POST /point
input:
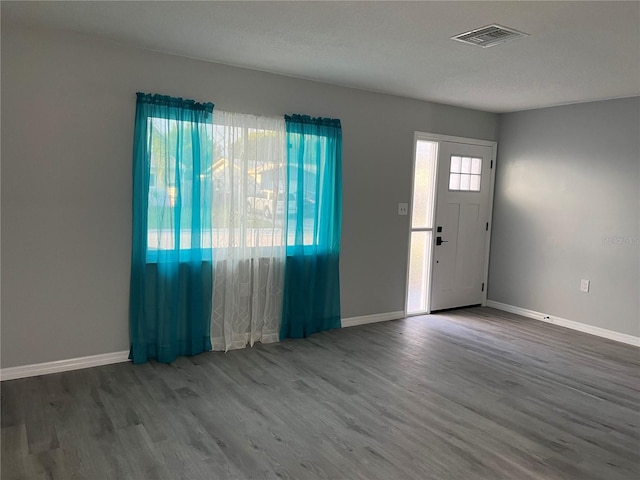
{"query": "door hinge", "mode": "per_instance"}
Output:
(482, 287)
(491, 164)
(487, 227)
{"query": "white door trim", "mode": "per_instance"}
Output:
(494, 166)
(435, 137)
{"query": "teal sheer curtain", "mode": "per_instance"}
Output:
(171, 270)
(312, 280)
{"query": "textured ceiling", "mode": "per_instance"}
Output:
(576, 51)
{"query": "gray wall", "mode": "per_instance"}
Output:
(566, 207)
(68, 106)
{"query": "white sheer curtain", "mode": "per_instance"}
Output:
(249, 207)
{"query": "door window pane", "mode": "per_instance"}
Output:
(476, 166)
(465, 174)
(466, 165)
(475, 183)
(455, 164)
(454, 181)
(465, 182)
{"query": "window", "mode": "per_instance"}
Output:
(174, 179)
(249, 180)
(248, 196)
(306, 179)
(422, 213)
(244, 186)
(465, 174)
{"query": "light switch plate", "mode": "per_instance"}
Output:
(403, 209)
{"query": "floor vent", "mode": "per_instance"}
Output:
(489, 36)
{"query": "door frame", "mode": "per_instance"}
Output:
(438, 138)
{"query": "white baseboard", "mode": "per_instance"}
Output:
(58, 366)
(24, 371)
(563, 322)
(377, 317)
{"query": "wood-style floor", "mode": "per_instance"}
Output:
(470, 394)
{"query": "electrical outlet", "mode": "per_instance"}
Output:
(403, 209)
(584, 285)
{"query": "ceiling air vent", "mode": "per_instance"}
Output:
(489, 36)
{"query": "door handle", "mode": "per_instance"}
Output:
(440, 241)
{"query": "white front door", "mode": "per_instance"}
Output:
(461, 227)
